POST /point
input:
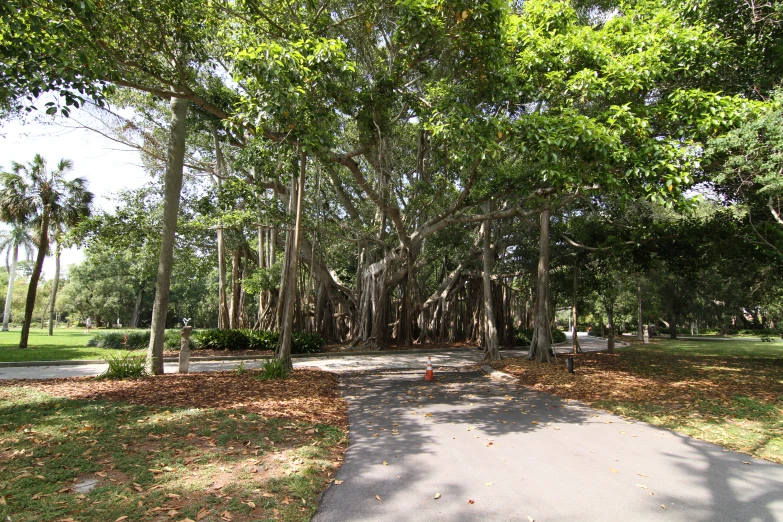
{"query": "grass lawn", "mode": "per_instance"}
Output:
(65, 344)
(204, 447)
(726, 392)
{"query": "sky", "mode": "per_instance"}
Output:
(107, 165)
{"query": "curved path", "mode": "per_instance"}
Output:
(494, 452)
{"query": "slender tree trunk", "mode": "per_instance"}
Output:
(10, 294)
(491, 348)
(639, 325)
(137, 309)
(32, 289)
(673, 326)
(610, 318)
(543, 336)
(575, 337)
(55, 285)
(284, 348)
(236, 260)
(172, 188)
(223, 321)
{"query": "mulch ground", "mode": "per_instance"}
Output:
(308, 395)
(657, 378)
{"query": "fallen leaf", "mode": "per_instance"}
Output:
(202, 513)
(250, 504)
(374, 434)
(663, 506)
(226, 516)
(377, 497)
(745, 462)
(488, 483)
(437, 496)
(471, 502)
(338, 482)
(642, 475)
(123, 517)
(385, 463)
(642, 486)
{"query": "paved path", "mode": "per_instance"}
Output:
(342, 363)
(521, 456)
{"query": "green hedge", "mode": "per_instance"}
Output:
(524, 336)
(133, 340)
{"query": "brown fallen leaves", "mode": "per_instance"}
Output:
(308, 395)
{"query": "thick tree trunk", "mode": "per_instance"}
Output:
(55, 285)
(32, 289)
(673, 326)
(284, 347)
(10, 293)
(542, 344)
(171, 192)
(639, 325)
(137, 309)
(491, 348)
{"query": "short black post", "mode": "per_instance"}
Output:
(570, 364)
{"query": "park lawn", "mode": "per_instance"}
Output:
(726, 392)
(65, 344)
(221, 446)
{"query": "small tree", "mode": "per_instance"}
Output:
(33, 193)
(10, 243)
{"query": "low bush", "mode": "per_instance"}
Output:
(135, 340)
(524, 336)
(125, 366)
(222, 340)
(273, 369)
(262, 339)
(558, 336)
(306, 342)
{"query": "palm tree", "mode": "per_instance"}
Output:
(31, 192)
(10, 243)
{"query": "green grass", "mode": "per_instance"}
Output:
(65, 344)
(155, 463)
(717, 348)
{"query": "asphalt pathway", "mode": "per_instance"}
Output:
(496, 452)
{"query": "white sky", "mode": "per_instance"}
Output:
(106, 165)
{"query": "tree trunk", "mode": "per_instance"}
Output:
(639, 326)
(574, 312)
(137, 309)
(32, 289)
(284, 347)
(172, 188)
(673, 326)
(55, 285)
(491, 348)
(223, 321)
(10, 294)
(610, 318)
(233, 317)
(543, 337)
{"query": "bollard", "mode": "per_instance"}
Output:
(184, 349)
(646, 334)
(570, 364)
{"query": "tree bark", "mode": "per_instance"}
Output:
(10, 294)
(491, 348)
(223, 321)
(233, 317)
(55, 285)
(137, 309)
(610, 319)
(284, 347)
(32, 289)
(171, 193)
(542, 343)
(575, 338)
(639, 326)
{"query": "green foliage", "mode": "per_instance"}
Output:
(306, 342)
(273, 369)
(558, 336)
(120, 340)
(262, 339)
(524, 336)
(125, 366)
(223, 340)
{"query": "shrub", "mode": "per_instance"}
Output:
(524, 336)
(262, 339)
(558, 336)
(306, 342)
(273, 369)
(125, 366)
(222, 340)
(120, 340)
